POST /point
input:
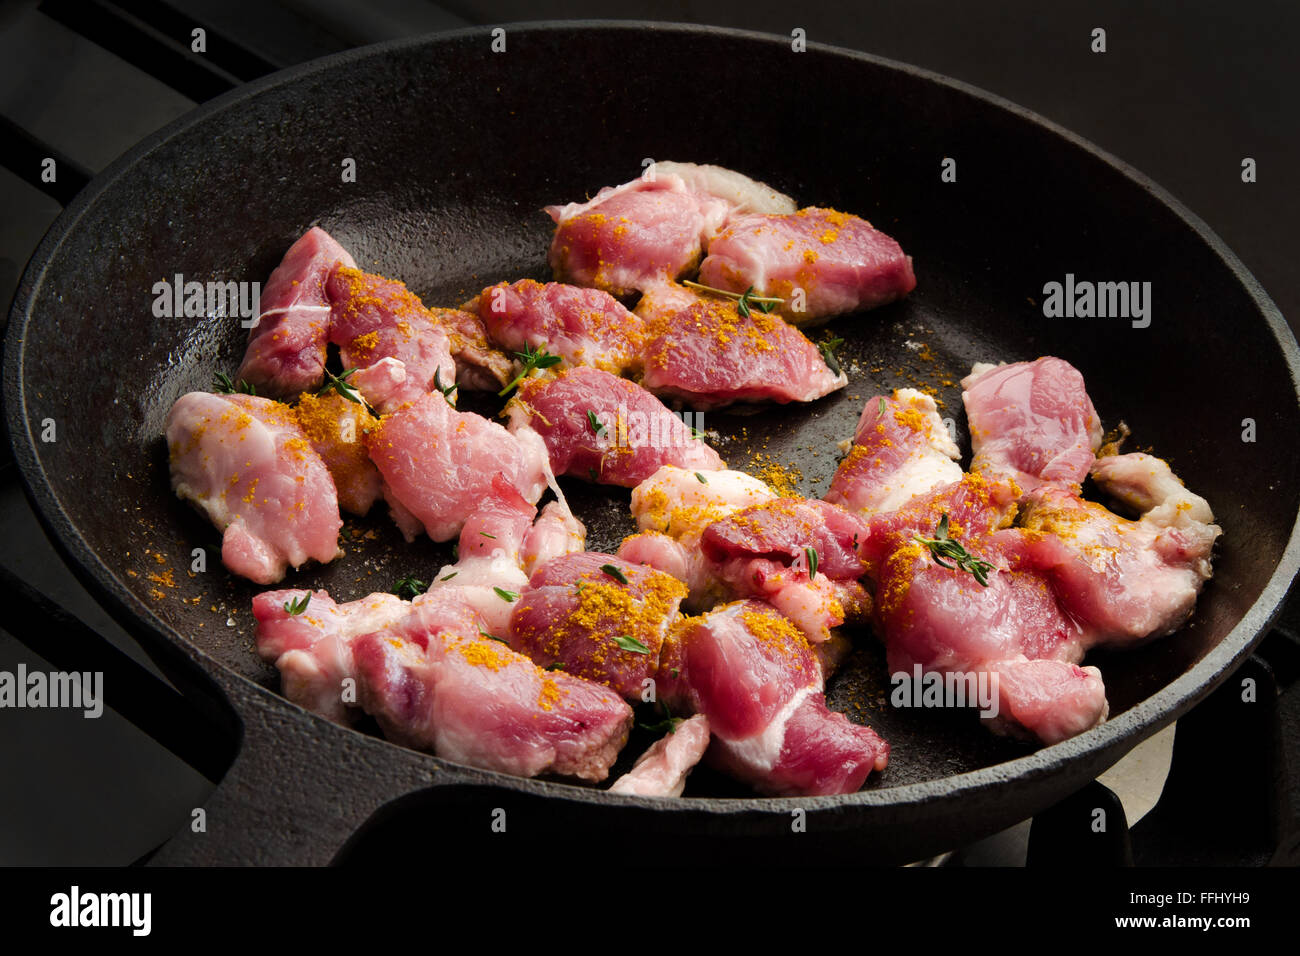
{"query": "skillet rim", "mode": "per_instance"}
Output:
(1113, 737)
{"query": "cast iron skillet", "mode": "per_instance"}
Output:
(457, 148)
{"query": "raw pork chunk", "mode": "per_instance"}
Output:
(245, 462)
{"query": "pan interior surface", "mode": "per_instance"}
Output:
(457, 149)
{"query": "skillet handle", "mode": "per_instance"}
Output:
(298, 789)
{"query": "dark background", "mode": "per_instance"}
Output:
(1184, 92)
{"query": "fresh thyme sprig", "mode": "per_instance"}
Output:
(614, 572)
(629, 643)
(445, 389)
(222, 383)
(744, 300)
(532, 360)
(943, 547)
(827, 349)
(409, 587)
(295, 607)
(339, 383)
(811, 555)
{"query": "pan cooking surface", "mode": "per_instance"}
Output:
(457, 151)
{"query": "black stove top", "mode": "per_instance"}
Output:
(1184, 94)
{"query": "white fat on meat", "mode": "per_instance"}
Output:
(662, 770)
(743, 194)
(900, 449)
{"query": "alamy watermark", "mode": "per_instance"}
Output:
(177, 298)
(950, 689)
(637, 429)
(1083, 299)
(84, 691)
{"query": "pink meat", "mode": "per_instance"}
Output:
(633, 236)
(943, 620)
(439, 464)
(1031, 421)
(1124, 580)
(487, 575)
(633, 435)
(764, 551)
(755, 677)
(900, 450)
(433, 682)
(555, 532)
(479, 366)
(313, 649)
(246, 463)
(662, 770)
(702, 351)
(374, 318)
(582, 326)
(1048, 700)
(286, 348)
(839, 261)
(606, 626)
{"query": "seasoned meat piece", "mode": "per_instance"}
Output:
(633, 236)
(900, 450)
(337, 429)
(702, 351)
(597, 616)
(375, 318)
(582, 326)
(433, 681)
(246, 464)
(606, 429)
(838, 262)
(1031, 421)
(286, 348)
(1014, 627)
(754, 676)
(1126, 581)
(768, 551)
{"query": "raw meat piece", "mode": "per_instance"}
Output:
(662, 770)
(313, 649)
(943, 620)
(487, 575)
(764, 550)
(700, 350)
(901, 449)
(597, 616)
(337, 429)
(1031, 421)
(582, 326)
(632, 437)
(439, 464)
(433, 682)
(286, 347)
(632, 236)
(1126, 581)
(753, 674)
(839, 261)
(673, 507)
(555, 532)
(479, 366)
(246, 463)
(374, 318)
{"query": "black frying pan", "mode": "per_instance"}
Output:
(457, 148)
